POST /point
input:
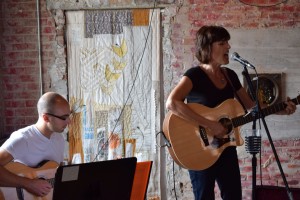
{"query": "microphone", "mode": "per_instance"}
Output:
(236, 57)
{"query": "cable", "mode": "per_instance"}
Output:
(174, 180)
(167, 142)
(143, 139)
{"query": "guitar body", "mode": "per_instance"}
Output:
(197, 151)
(46, 171)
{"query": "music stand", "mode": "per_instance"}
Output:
(141, 180)
(104, 180)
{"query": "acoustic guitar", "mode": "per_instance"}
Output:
(46, 171)
(194, 147)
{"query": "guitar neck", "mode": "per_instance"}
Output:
(244, 119)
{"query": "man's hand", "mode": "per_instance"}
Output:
(38, 187)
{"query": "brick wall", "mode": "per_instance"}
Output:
(20, 65)
(268, 172)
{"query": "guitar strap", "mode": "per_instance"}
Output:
(20, 193)
(224, 71)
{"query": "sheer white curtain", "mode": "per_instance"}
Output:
(113, 82)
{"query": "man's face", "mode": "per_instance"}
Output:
(59, 118)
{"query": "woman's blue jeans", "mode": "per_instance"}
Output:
(225, 172)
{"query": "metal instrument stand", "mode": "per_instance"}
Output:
(254, 143)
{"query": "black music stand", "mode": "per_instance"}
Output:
(104, 180)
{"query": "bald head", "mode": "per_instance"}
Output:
(49, 101)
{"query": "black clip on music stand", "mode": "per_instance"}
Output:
(253, 142)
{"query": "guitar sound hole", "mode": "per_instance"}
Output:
(227, 124)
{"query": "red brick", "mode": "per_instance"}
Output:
(31, 54)
(288, 8)
(13, 86)
(9, 129)
(30, 103)
(47, 30)
(32, 86)
(24, 46)
(15, 120)
(31, 120)
(8, 113)
(25, 111)
(14, 104)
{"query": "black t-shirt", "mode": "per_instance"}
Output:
(205, 92)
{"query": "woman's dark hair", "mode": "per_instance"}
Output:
(205, 37)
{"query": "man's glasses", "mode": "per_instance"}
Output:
(64, 117)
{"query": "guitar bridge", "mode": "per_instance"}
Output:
(203, 135)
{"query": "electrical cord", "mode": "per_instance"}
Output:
(174, 185)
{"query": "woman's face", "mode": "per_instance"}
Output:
(220, 53)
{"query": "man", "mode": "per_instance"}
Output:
(39, 142)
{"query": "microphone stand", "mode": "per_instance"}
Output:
(254, 143)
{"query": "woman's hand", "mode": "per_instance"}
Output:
(290, 107)
(217, 129)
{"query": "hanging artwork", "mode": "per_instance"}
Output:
(113, 69)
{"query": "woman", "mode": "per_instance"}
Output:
(210, 84)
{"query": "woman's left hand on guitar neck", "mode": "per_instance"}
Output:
(290, 108)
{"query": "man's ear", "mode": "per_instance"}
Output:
(45, 117)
